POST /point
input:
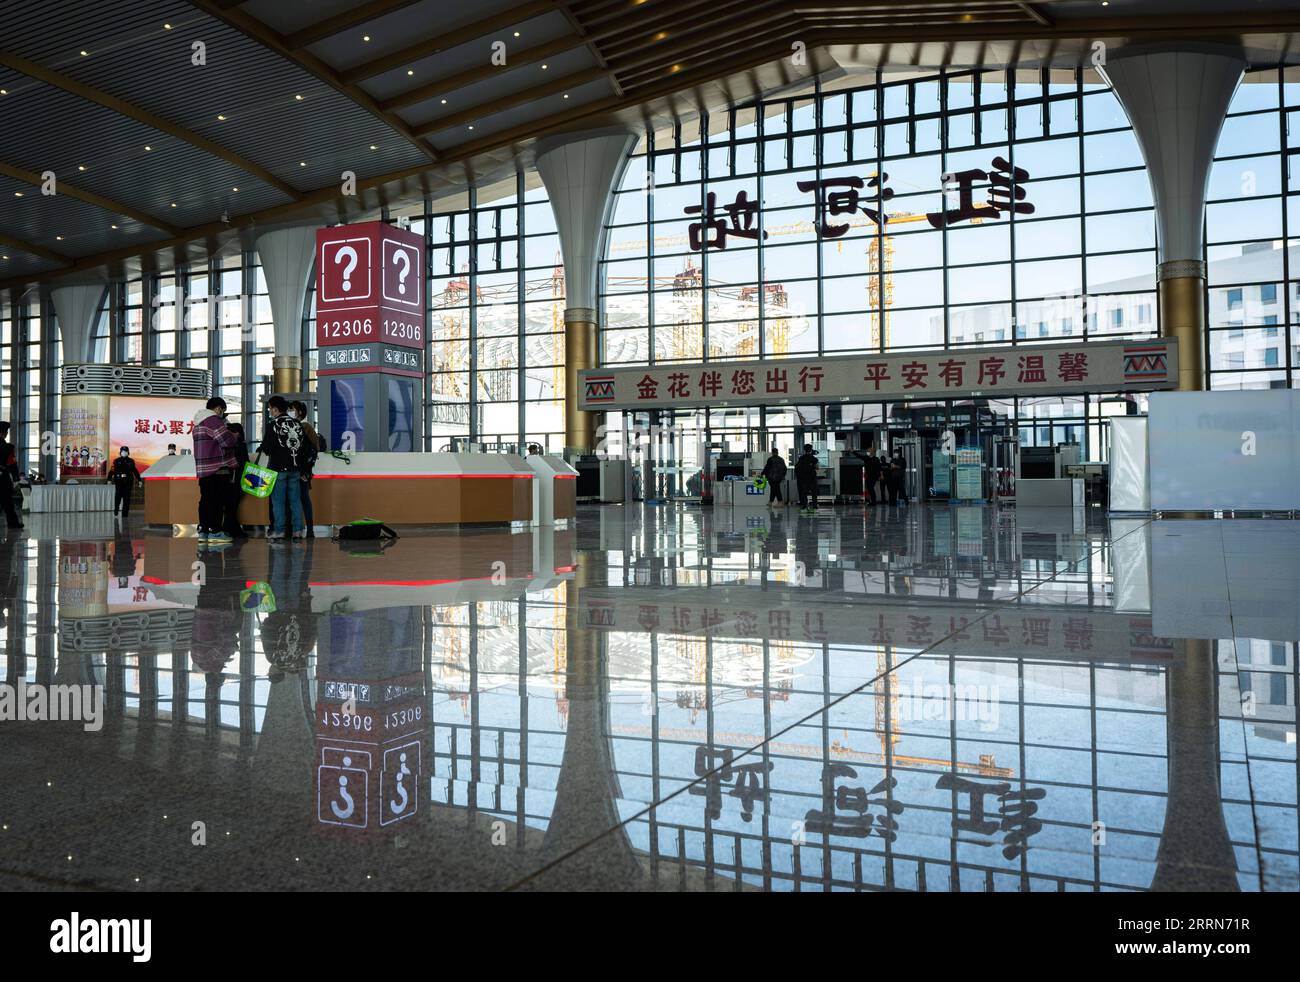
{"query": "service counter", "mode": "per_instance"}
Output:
(396, 488)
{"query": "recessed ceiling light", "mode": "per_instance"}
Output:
(677, 68)
(234, 189)
(18, 194)
(220, 116)
(365, 37)
(410, 71)
(302, 163)
(147, 147)
(566, 95)
(85, 54)
(58, 238)
(373, 147)
(544, 67)
(298, 97)
(112, 226)
(81, 167)
(516, 34)
(661, 35)
(471, 125)
(444, 102)
(173, 204)
(166, 27)
(4, 91)
(4, 257)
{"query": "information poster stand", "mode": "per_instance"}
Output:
(968, 464)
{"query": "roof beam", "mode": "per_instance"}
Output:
(124, 108)
(451, 83)
(31, 248)
(343, 21)
(683, 27)
(588, 41)
(1036, 12)
(441, 42)
(253, 28)
(486, 109)
(90, 198)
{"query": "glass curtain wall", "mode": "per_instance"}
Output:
(1080, 265)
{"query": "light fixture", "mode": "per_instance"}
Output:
(4, 91)
(365, 37)
(544, 67)
(58, 238)
(234, 189)
(298, 97)
(166, 27)
(410, 71)
(220, 116)
(661, 35)
(471, 125)
(516, 34)
(85, 54)
(373, 147)
(444, 102)
(677, 68)
(81, 167)
(147, 147)
(173, 204)
(302, 163)
(566, 95)
(112, 226)
(18, 194)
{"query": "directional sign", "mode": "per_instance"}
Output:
(369, 290)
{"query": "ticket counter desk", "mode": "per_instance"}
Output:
(396, 488)
(555, 492)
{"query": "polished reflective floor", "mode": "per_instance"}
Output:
(663, 698)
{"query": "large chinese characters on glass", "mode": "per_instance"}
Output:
(1020, 370)
(850, 195)
(370, 309)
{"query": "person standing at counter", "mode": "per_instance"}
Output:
(313, 448)
(231, 524)
(9, 477)
(124, 475)
(214, 463)
(805, 476)
(774, 472)
(284, 444)
(870, 474)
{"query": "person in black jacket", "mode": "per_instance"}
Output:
(9, 477)
(870, 473)
(898, 477)
(805, 476)
(124, 477)
(774, 472)
(285, 445)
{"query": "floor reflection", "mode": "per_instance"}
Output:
(663, 698)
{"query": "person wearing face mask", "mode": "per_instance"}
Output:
(124, 475)
(214, 463)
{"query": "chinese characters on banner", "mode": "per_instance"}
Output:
(1077, 366)
(834, 196)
